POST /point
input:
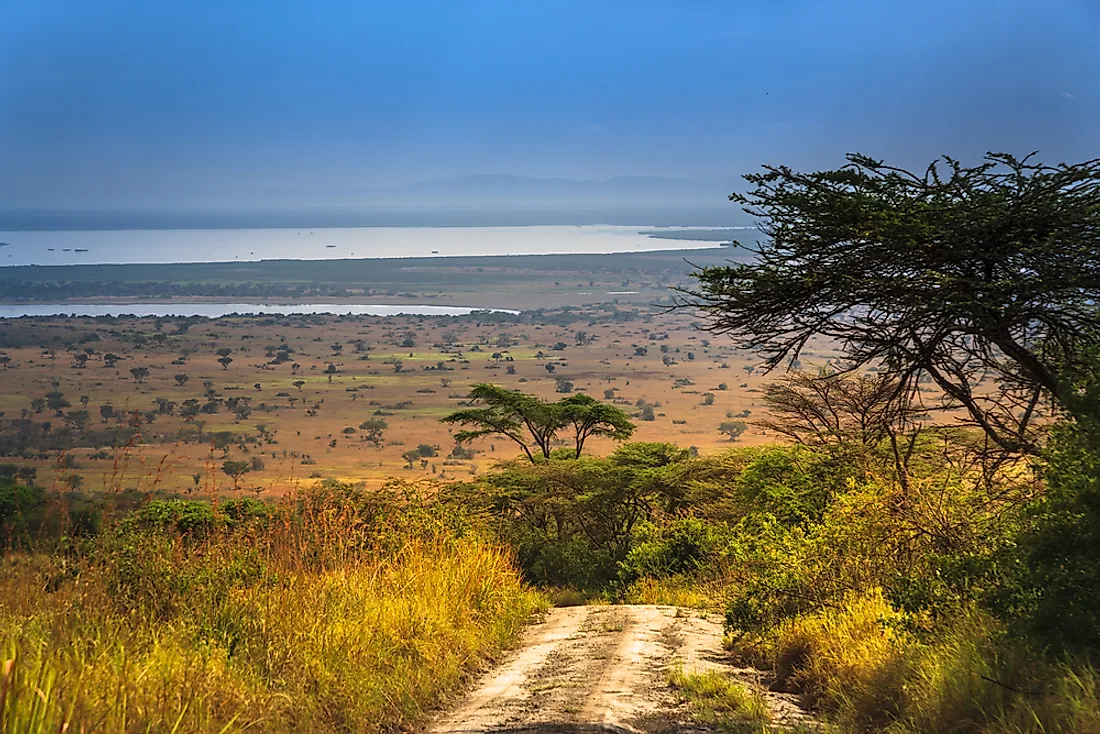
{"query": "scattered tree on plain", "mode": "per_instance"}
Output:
(733, 429)
(235, 469)
(533, 423)
(373, 429)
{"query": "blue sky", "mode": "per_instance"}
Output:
(146, 103)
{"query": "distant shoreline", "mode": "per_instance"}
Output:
(47, 248)
(218, 309)
(556, 260)
(520, 282)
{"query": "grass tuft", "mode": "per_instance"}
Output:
(674, 591)
(719, 700)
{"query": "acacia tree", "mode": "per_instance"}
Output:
(533, 424)
(843, 411)
(957, 274)
(831, 409)
(55, 401)
(528, 421)
(589, 417)
(235, 469)
(373, 429)
(733, 429)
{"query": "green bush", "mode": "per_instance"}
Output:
(240, 510)
(22, 512)
(85, 515)
(680, 547)
(792, 483)
(1053, 592)
(189, 517)
(563, 562)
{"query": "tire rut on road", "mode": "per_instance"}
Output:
(583, 670)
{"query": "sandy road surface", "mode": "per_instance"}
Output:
(584, 670)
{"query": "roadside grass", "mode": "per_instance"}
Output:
(717, 700)
(328, 614)
(849, 660)
(677, 592)
(854, 665)
(966, 683)
(568, 597)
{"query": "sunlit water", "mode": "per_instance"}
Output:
(221, 245)
(215, 310)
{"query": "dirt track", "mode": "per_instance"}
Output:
(593, 669)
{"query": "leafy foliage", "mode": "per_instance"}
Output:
(1054, 592)
(533, 424)
(957, 274)
(572, 521)
(22, 510)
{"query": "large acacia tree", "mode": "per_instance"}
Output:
(533, 423)
(983, 280)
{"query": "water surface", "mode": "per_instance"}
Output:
(224, 245)
(215, 310)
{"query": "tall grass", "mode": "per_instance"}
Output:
(855, 664)
(848, 660)
(968, 682)
(334, 612)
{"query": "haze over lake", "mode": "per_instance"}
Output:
(220, 245)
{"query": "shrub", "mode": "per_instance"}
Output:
(680, 547)
(179, 517)
(22, 512)
(1053, 594)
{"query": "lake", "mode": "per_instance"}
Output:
(223, 245)
(215, 310)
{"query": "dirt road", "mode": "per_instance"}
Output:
(584, 670)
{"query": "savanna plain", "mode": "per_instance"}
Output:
(284, 523)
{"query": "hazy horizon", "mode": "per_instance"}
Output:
(473, 200)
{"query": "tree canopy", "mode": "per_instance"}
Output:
(236, 469)
(589, 417)
(533, 423)
(955, 275)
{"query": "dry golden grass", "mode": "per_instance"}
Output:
(326, 618)
(852, 664)
(675, 591)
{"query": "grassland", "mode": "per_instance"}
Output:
(407, 371)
